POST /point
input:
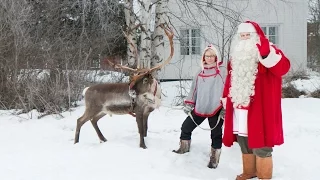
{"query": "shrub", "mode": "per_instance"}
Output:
(290, 91)
(315, 94)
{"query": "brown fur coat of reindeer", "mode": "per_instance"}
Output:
(117, 98)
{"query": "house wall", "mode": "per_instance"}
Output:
(290, 17)
(292, 20)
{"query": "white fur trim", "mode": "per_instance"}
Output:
(224, 102)
(240, 122)
(217, 54)
(246, 27)
(272, 59)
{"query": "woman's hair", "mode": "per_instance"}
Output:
(211, 50)
(213, 53)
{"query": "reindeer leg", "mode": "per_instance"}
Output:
(145, 124)
(83, 119)
(139, 119)
(94, 122)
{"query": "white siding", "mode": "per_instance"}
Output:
(292, 20)
(290, 17)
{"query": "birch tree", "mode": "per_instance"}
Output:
(146, 20)
(130, 32)
(161, 17)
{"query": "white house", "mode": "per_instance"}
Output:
(196, 25)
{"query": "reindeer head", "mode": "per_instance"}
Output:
(141, 84)
(141, 79)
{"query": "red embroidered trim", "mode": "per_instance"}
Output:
(188, 102)
(208, 115)
(210, 67)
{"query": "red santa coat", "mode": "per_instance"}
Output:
(264, 112)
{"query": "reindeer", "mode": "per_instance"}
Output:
(139, 98)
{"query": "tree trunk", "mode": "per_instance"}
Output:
(161, 17)
(145, 51)
(131, 35)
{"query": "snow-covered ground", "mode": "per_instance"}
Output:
(43, 149)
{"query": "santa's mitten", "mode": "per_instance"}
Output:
(264, 47)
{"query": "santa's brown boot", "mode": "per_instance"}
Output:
(214, 158)
(264, 167)
(249, 167)
(184, 147)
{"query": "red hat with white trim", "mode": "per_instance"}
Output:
(251, 27)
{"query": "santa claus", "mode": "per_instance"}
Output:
(252, 99)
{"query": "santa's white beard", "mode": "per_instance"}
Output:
(244, 69)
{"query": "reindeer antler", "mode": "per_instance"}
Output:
(142, 72)
(170, 34)
(118, 66)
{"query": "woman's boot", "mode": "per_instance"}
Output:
(214, 158)
(184, 147)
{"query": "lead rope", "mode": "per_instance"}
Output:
(206, 129)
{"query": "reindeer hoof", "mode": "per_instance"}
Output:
(143, 146)
(103, 140)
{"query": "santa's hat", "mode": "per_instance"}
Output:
(216, 51)
(252, 27)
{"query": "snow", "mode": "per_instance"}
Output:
(308, 85)
(43, 149)
(90, 75)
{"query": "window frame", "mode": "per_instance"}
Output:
(276, 33)
(190, 45)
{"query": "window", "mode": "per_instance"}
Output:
(272, 33)
(189, 41)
